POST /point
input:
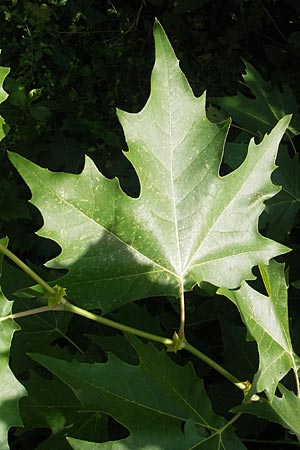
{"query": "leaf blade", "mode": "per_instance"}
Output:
(164, 396)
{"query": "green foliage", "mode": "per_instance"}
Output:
(88, 386)
(11, 389)
(3, 95)
(283, 409)
(259, 114)
(266, 319)
(282, 210)
(162, 411)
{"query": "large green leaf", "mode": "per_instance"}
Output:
(259, 114)
(11, 389)
(163, 405)
(188, 224)
(3, 95)
(266, 318)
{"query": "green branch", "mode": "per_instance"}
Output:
(118, 326)
(171, 344)
(243, 385)
(57, 302)
(27, 269)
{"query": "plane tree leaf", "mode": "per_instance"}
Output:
(167, 409)
(266, 318)
(11, 389)
(189, 224)
(259, 114)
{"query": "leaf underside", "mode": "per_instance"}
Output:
(188, 224)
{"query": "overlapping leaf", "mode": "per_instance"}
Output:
(188, 224)
(51, 404)
(259, 114)
(283, 208)
(284, 410)
(163, 405)
(266, 318)
(39, 332)
(11, 390)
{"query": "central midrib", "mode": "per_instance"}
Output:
(172, 185)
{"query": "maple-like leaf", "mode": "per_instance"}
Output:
(188, 225)
(259, 114)
(3, 96)
(11, 389)
(266, 318)
(163, 405)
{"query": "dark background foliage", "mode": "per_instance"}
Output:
(72, 63)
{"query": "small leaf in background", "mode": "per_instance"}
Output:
(259, 115)
(163, 405)
(188, 225)
(3, 96)
(40, 113)
(11, 389)
(266, 319)
(282, 209)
